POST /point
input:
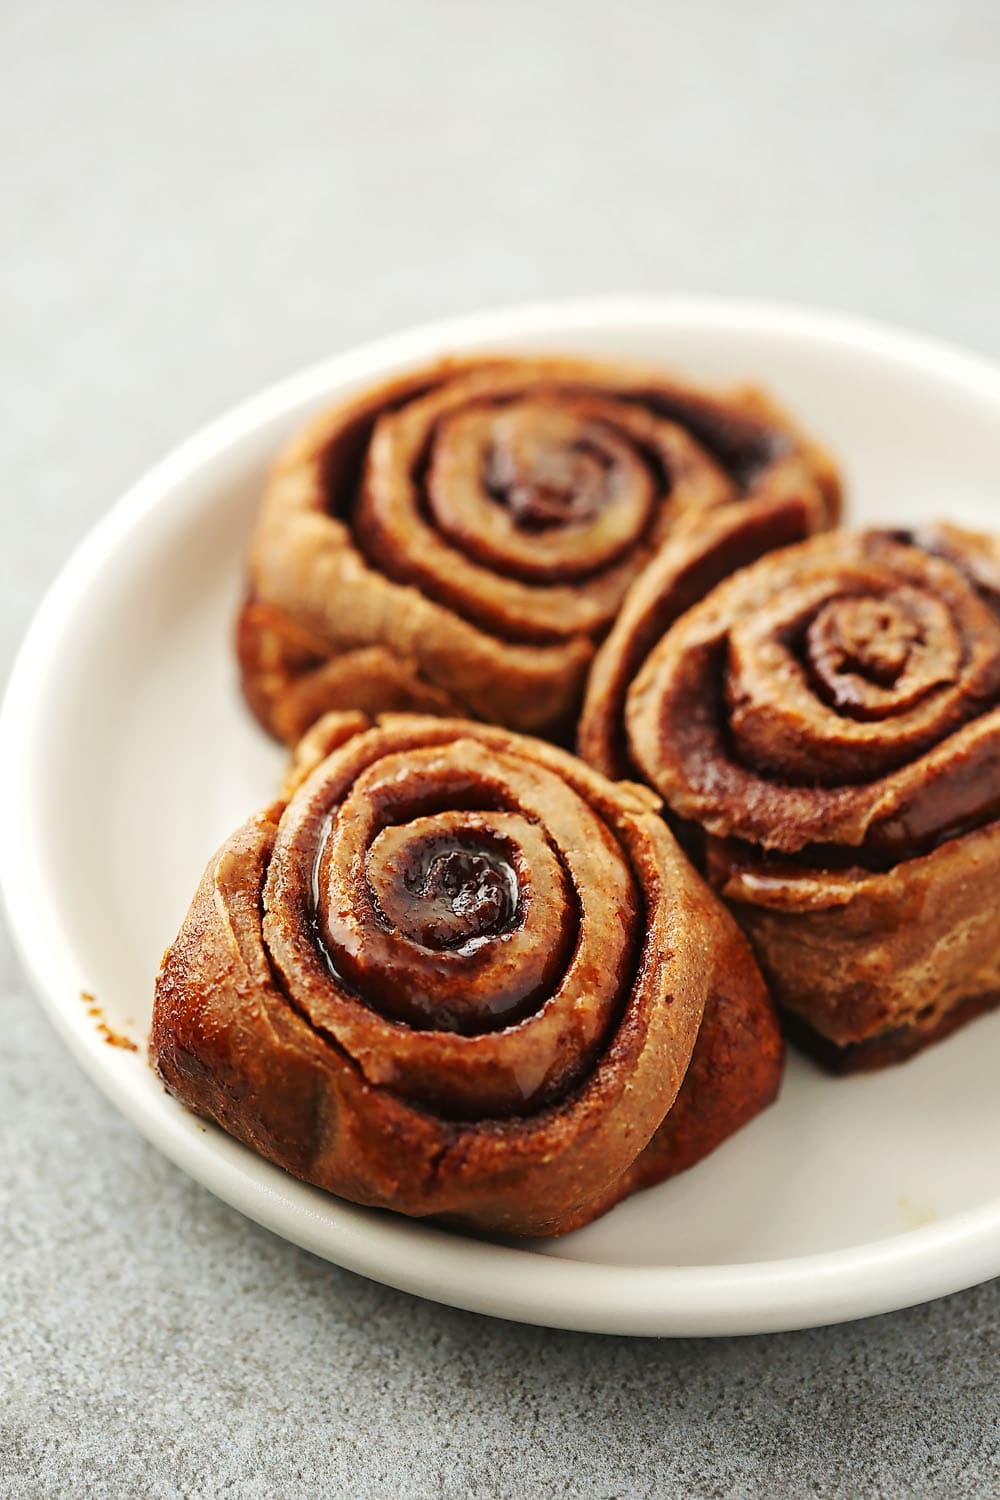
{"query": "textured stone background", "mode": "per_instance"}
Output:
(198, 197)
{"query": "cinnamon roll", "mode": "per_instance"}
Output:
(459, 540)
(456, 973)
(825, 728)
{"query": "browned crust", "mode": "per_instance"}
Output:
(735, 1073)
(860, 956)
(888, 1047)
(289, 682)
(233, 1046)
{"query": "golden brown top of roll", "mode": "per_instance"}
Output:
(842, 693)
(480, 522)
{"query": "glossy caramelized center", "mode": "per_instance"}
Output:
(444, 889)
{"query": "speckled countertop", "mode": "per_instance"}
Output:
(199, 197)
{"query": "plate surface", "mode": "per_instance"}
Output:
(126, 757)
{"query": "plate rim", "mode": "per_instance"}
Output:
(516, 1283)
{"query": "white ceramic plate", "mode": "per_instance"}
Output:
(126, 756)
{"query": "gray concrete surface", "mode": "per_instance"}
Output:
(198, 197)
